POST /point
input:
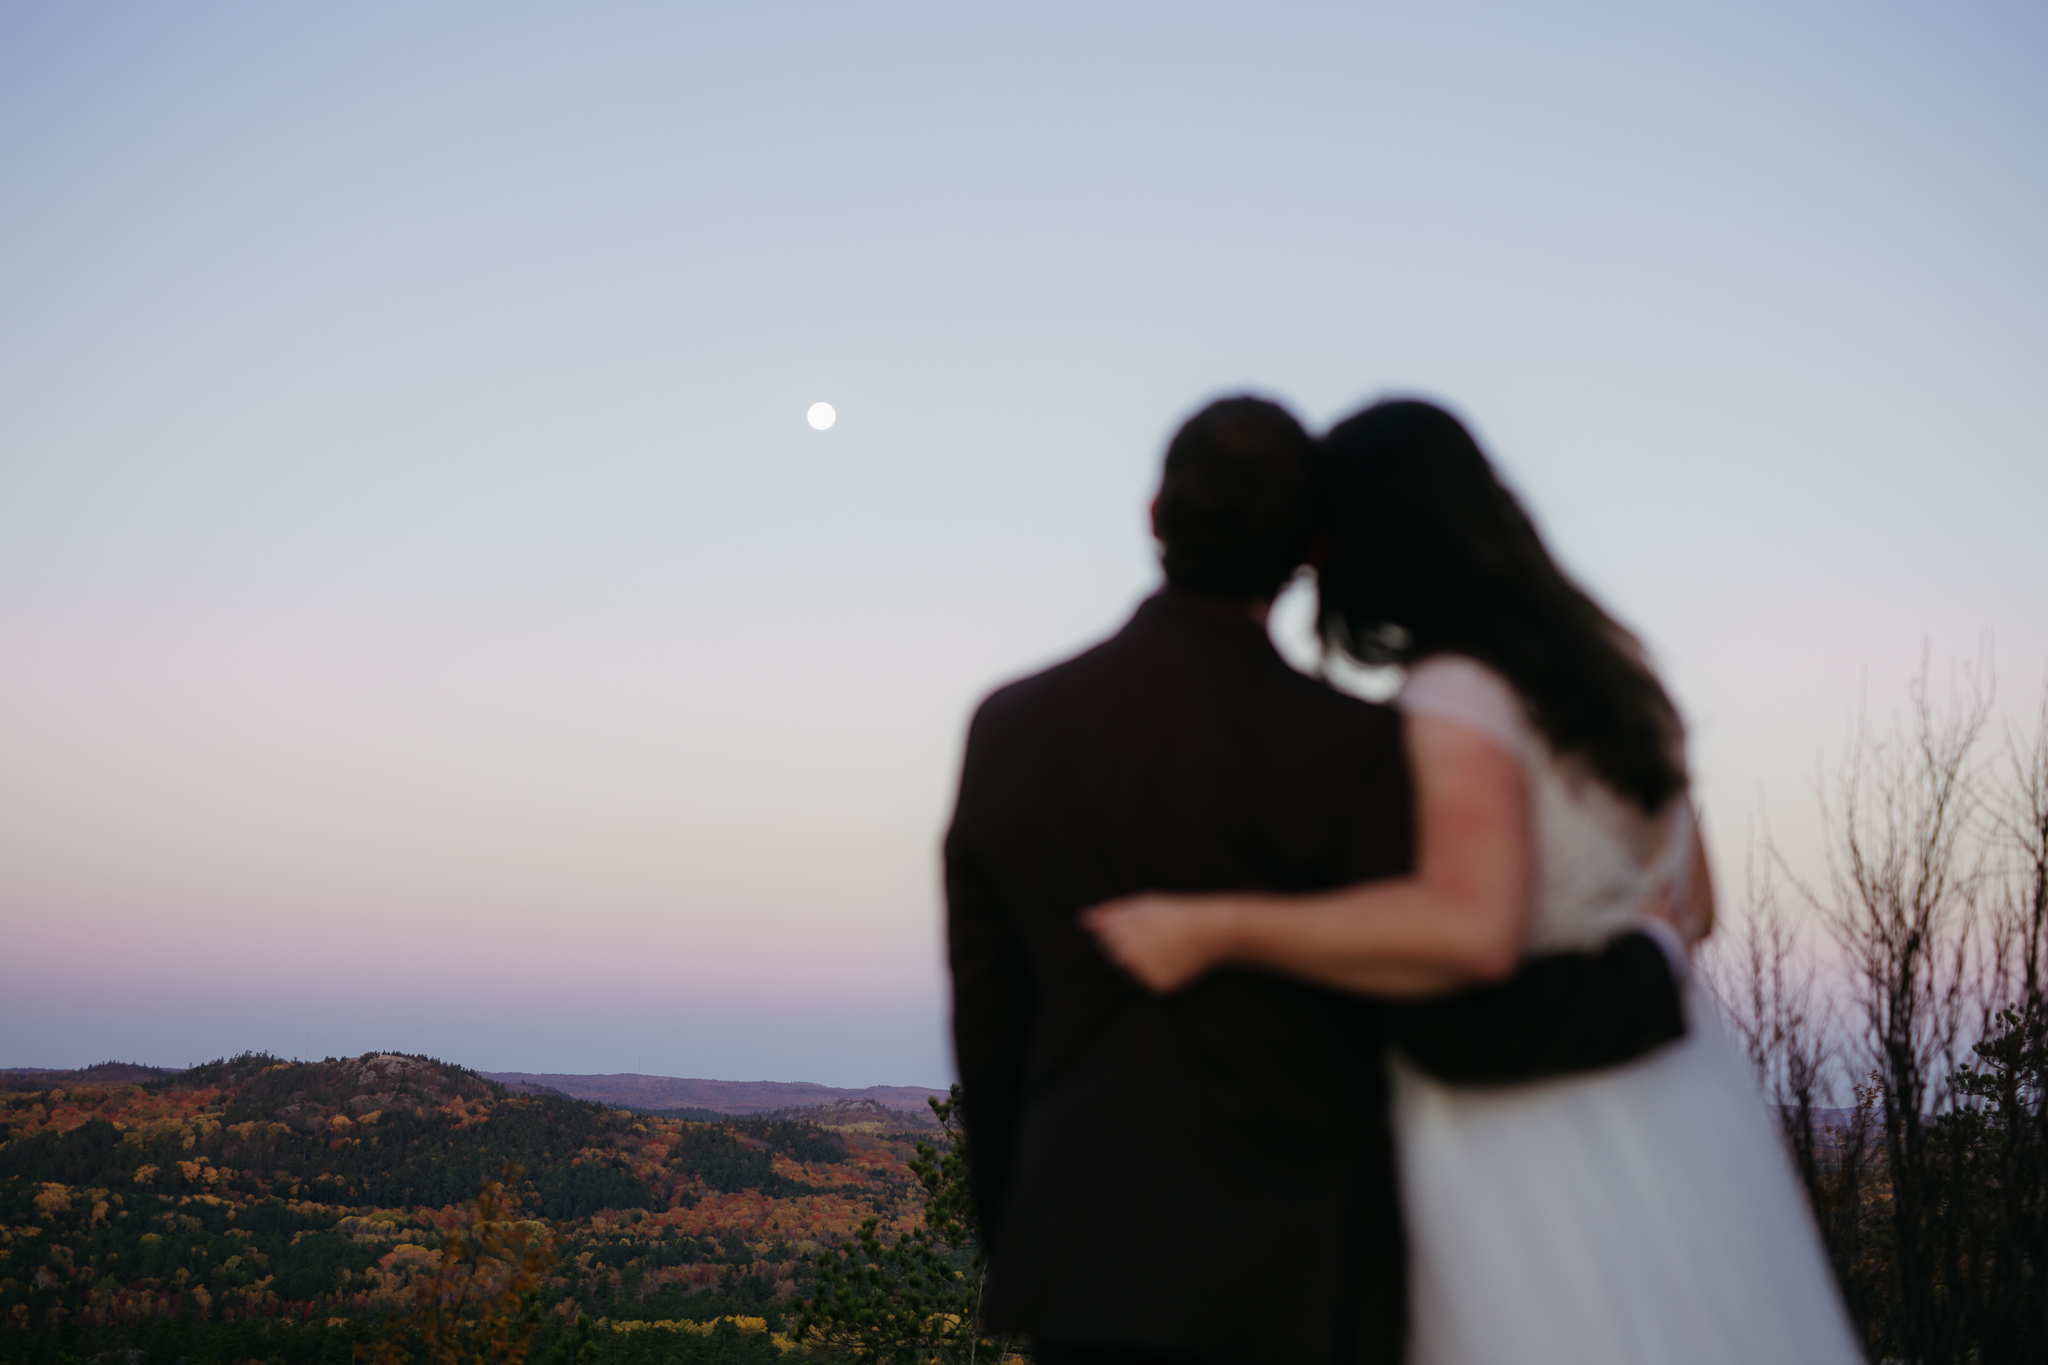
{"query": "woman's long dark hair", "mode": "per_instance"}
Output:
(1431, 554)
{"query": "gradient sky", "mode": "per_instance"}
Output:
(427, 622)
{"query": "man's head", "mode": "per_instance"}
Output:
(1235, 511)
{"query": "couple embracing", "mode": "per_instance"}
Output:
(1293, 1027)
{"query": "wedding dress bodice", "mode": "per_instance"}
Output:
(1597, 856)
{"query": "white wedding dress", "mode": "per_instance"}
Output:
(1643, 1215)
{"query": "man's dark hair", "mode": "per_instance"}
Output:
(1237, 503)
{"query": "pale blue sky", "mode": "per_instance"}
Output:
(426, 620)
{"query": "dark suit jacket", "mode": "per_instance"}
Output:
(1210, 1173)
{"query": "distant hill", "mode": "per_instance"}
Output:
(632, 1090)
(854, 1114)
(21, 1079)
(529, 1088)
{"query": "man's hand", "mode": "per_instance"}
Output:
(1687, 903)
(1164, 941)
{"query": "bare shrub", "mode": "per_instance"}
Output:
(1767, 981)
(1931, 1189)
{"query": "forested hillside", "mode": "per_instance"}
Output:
(255, 1208)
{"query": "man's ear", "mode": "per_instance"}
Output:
(1155, 520)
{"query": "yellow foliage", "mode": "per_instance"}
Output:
(53, 1200)
(701, 1329)
(145, 1175)
(478, 1302)
(406, 1256)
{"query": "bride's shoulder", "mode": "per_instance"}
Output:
(1464, 691)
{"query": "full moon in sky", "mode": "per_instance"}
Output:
(821, 416)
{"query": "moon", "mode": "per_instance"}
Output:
(821, 416)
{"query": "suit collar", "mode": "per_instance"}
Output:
(1177, 609)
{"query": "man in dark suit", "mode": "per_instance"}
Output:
(1209, 1176)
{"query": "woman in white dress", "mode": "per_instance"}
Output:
(1643, 1215)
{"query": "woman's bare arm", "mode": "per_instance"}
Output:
(1458, 919)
